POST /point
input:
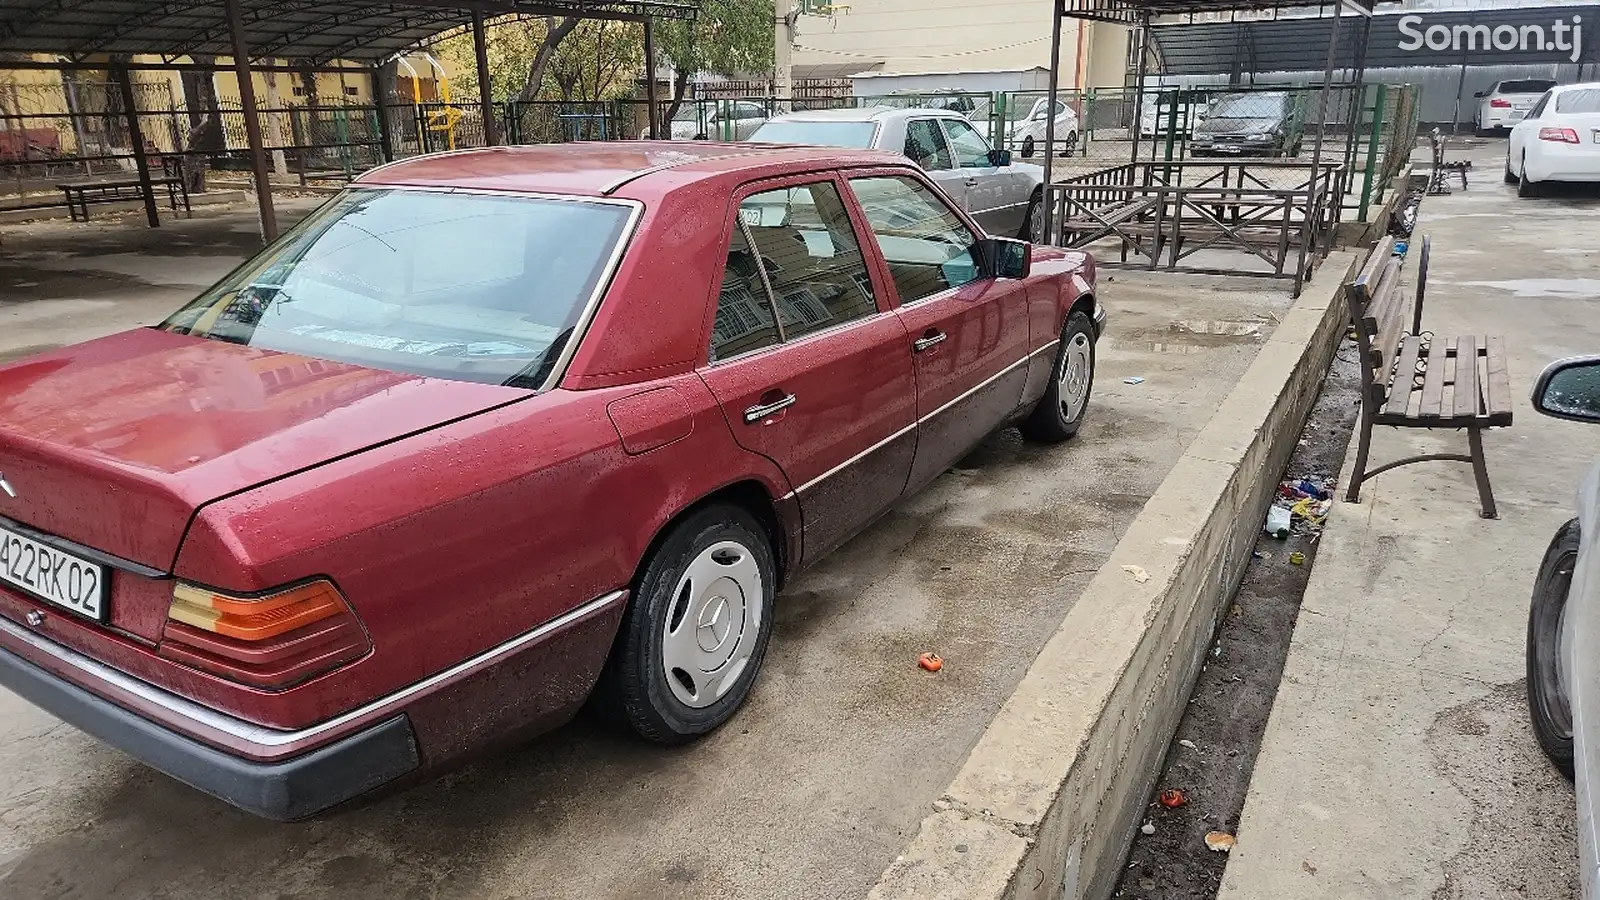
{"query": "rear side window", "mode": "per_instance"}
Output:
(1538, 108)
(1584, 101)
(794, 253)
(1531, 86)
(925, 145)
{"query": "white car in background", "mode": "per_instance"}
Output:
(1029, 134)
(1505, 103)
(1558, 140)
(1003, 196)
(721, 120)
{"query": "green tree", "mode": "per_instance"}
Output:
(730, 37)
(548, 57)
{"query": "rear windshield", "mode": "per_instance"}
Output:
(1531, 86)
(827, 134)
(463, 286)
(1584, 101)
(1249, 106)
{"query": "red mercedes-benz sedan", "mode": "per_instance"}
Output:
(493, 431)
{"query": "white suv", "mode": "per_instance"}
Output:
(1505, 103)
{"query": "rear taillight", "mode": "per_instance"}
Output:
(1498, 103)
(273, 641)
(1560, 135)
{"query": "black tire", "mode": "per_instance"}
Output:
(1547, 707)
(1510, 178)
(1071, 144)
(634, 688)
(1027, 146)
(1048, 423)
(1526, 188)
(1027, 220)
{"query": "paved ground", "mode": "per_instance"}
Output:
(1398, 761)
(810, 792)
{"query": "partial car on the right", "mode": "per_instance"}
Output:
(1558, 141)
(1564, 619)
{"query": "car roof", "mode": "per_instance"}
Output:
(865, 114)
(1580, 86)
(620, 168)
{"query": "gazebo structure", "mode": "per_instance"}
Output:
(316, 33)
(1277, 215)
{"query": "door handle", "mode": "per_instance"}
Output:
(928, 341)
(760, 411)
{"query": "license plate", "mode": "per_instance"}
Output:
(1518, 113)
(62, 579)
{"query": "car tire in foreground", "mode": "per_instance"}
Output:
(696, 629)
(1525, 187)
(1547, 698)
(1060, 412)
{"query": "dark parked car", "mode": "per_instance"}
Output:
(1252, 123)
(491, 428)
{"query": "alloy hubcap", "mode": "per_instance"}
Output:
(712, 624)
(1036, 222)
(1077, 367)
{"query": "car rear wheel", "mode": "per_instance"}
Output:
(1510, 178)
(1027, 146)
(1070, 145)
(1033, 223)
(1060, 412)
(696, 629)
(1525, 187)
(1547, 695)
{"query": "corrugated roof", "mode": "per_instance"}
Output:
(312, 30)
(1131, 11)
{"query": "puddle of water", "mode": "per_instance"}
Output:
(1221, 328)
(1578, 288)
(1154, 346)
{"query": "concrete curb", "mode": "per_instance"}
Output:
(1048, 799)
(49, 214)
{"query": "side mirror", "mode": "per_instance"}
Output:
(1005, 257)
(1570, 389)
(999, 157)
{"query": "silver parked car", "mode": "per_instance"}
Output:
(723, 120)
(1564, 621)
(1002, 195)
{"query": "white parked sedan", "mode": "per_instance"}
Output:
(1029, 134)
(1559, 140)
(1505, 103)
(1002, 195)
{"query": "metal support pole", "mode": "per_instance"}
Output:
(650, 78)
(480, 47)
(136, 137)
(380, 99)
(252, 122)
(1138, 87)
(1050, 122)
(1314, 181)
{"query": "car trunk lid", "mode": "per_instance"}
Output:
(115, 443)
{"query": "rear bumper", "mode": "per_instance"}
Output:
(286, 790)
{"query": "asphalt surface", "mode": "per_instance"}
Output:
(809, 792)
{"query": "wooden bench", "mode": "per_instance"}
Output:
(80, 194)
(1414, 379)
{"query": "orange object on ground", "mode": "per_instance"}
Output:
(1172, 798)
(930, 661)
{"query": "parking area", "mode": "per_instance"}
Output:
(810, 791)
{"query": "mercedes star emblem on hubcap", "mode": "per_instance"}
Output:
(712, 628)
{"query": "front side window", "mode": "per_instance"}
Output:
(969, 149)
(802, 240)
(927, 247)
(462, 286)
(925, 145)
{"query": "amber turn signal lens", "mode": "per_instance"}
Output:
(272, 641)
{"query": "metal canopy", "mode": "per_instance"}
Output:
(315, 31)
(1135, 12)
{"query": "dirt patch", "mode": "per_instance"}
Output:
(1486, 750)
(1214, 749)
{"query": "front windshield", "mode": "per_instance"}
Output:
(1249, 106)
(464, 286)
(826, 134)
